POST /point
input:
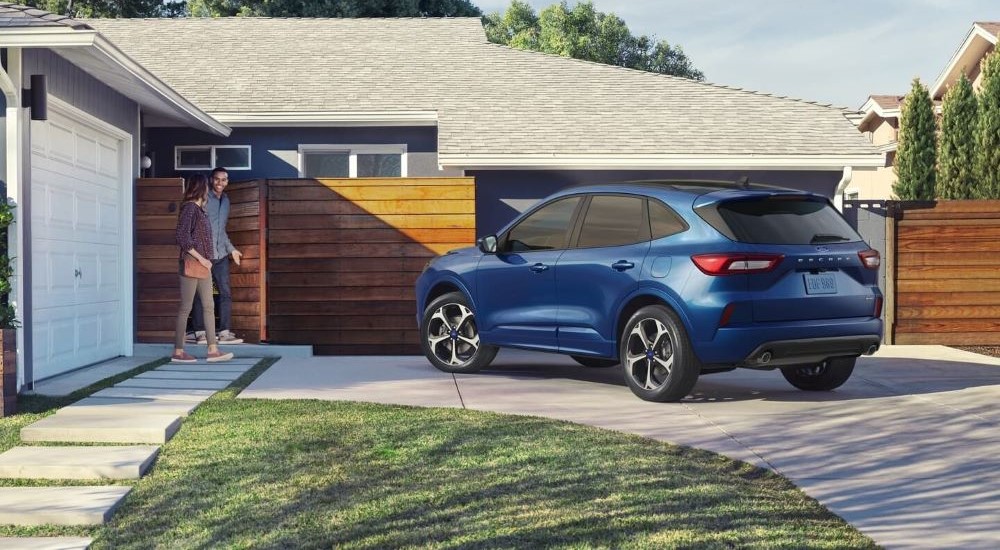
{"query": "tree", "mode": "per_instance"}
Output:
(956, 176)
(917, 146)
(582, 32)
(111, 8)
(333, 8)
(988, 131)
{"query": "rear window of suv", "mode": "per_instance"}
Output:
(780, 220)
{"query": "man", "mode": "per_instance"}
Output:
(217, 208)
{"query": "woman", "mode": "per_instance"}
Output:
(194, 238)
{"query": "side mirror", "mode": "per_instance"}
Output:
(487, 244)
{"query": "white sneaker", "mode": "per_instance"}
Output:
(200, 337)
(226, 337)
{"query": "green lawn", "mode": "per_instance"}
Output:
(309, 474)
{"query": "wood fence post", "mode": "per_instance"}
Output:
(890, 273)
(263, 278)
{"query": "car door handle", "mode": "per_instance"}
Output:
(538, 268)
(622, 265)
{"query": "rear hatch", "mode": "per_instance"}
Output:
(822, 273)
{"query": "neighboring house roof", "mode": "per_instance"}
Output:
(888, 101)
(25, 27)
(878, 108)
(980, 41)
(493, 105)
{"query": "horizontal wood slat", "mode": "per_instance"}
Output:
(947, 285)
(367, 221)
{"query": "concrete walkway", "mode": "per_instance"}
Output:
(908, 451)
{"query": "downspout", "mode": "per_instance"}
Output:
(845, 180)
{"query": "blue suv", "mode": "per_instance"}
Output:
(670, 280)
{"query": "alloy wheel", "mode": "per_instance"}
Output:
(452, 334)
(649, 354)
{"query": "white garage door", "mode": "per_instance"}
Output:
(76, 244)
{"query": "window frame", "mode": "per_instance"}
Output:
(212, 156)
(353, 150)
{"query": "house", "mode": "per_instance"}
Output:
(69, 165)
(878, 119)
(288, 98)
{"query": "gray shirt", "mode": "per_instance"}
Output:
(218, 215)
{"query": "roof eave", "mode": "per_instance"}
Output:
(90, 52)
(286, 119)
(543, 161)
(949, 75)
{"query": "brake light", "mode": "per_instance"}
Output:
(735, 264)
(870, 258)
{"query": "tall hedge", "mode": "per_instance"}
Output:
(988, 132)
(915, 155)
(956, 173)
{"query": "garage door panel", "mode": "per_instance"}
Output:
(78, 315)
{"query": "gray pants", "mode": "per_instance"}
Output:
(204, 289)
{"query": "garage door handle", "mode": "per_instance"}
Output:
(538, 268)
(622, 265)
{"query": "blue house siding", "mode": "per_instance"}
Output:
(79, 89)
(495, 186)
(274, 151)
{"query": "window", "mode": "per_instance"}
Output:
(207, 157)
(545, 229)
(663, 221)
(613, 220)
(352, 161)
(780, 220)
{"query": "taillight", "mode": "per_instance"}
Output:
(870, 258)
(734, 264)
(878, 306)
(727, 314)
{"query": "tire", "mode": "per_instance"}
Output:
(595, 362)
(828, 375)
(657, 357)
(449, 336)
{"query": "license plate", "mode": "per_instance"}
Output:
(820, 283)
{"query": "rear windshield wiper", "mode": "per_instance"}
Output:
(827, 238)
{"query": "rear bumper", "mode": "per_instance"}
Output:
(782, 353)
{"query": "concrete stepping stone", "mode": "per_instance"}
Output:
(103, 428)
(45, 543)
(164, 394)
(160, 383)
(59, 505)
(195, 367)
(188, 375)
(130, 406)
(121, 462)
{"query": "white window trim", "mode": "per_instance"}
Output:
(212, 148)
(353, 149)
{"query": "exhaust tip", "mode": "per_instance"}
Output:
(764, 358)
(871, 349)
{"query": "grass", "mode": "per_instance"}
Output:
(245, 473)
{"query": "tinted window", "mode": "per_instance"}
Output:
(784, 221)
(663, 221)
(613, 221)
(546, 228)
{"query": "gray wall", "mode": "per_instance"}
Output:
(495, 186)
(79, 89)
(868, 218)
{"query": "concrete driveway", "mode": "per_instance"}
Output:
(908, 451)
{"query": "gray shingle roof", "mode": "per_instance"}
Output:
(490, 99)
(14, 15)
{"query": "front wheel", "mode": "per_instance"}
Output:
(657, 357)
(449, 336)
(825, 376)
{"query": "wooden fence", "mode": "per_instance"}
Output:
(331, 263)
(942, 280)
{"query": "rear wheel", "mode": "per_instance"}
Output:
(450, 338)
(595, 362)
(657, 357)
(824, 376)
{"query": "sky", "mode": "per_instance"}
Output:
(829, 51)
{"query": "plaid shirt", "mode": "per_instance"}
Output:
(193, 230)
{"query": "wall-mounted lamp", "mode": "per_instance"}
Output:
(37, 98)
(145, 162)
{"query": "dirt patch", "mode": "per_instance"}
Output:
(992, 351)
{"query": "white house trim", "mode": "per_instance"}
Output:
(15, 191)
(329, 118)
(950, 73)
(89, 43)
(659, 162)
